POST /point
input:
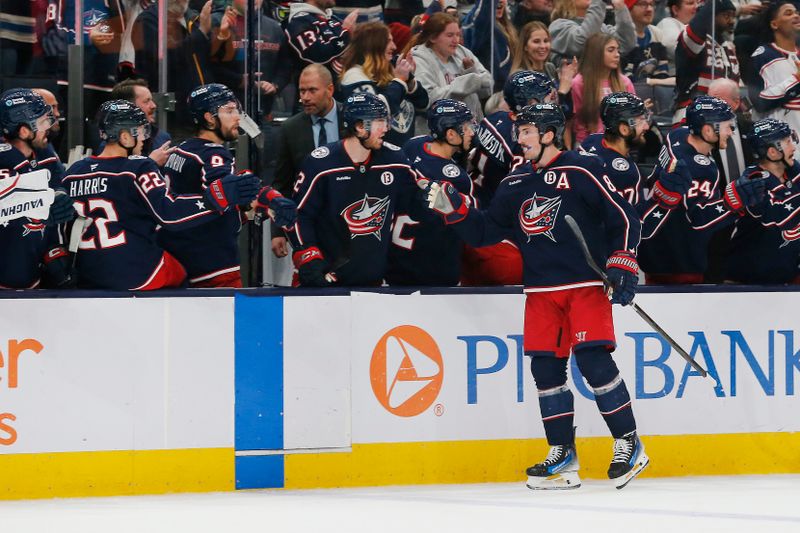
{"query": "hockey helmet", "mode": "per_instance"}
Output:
(546, 117)
(22, 107)
(363, 107)
(208, 99)
(117, 116)
(707, 110)
(621, 107)
(448, 114)
(525, 87)
(769, 132)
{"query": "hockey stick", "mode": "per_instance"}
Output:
(639, 311)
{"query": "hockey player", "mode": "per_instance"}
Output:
(31, 249)
(210, 252)
(566, 310)
(687, 205)
(625, 120)
(765, 245)
(427, 252)
(127, 198)
(347, 195)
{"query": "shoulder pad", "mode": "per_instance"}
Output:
(320, 152)
(5, 147)
(391, 146)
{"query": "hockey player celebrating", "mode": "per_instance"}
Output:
(625, 120)
(31, 248)
(687, 204)
(347, 195)
(127, 198)
(428, 252)
(765, 245)
(566, 310)
(210, 252)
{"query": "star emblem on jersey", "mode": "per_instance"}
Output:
(200, 204)
(537, 216)
(366, 216)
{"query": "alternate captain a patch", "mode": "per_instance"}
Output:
(366, 216)
(537, 216)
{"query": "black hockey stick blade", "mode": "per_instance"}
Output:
(639, 311)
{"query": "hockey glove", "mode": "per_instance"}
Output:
(671, 186)
(273, 204)
(744, 192)
(58, 272)
(233, 190)
(312, 268)
(622, 271)
(61, 210)
(445, 199)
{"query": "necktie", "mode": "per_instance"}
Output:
(323, 135)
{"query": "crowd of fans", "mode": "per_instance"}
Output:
(312, 56)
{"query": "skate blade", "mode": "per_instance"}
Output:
(640, 465)
(561, 481)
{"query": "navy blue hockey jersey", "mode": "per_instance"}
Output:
(621, 170)
(495, 155)
(23, 241)
(346, 209)
(127, 198)
(427, 252)
(765, 245)
(531, 203)
(315, 37)
(211, 249)
(676, 240)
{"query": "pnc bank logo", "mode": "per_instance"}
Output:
(406, 371)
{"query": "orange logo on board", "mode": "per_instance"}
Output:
(406, 371)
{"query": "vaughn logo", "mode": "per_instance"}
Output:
(367, 216)
(537, 216)
(406, 371)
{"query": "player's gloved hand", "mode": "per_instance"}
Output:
(233, 190)
(61, 210)
(312, 268)
(277, 207)
(444, 198)
(671, 186)
(622, 271)
(57, 271)
(745, 192)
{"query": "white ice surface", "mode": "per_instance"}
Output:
(760, 504)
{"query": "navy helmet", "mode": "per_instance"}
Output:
(621, 107)
(546, 117)
(117, 116)
(363, 107)
(525, 86)
(769, 132)
(447, 114)
(208, 99)
(22, 107)
(707, 110)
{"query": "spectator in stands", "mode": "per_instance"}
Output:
(649, 58)
(447, 69)
(319, 123)
(575, 21)
(599, 75)
(525, 11)
(671, 27)
(776, 93)
(136, 91)
(478, 38)
(694, 67)
(369, 64)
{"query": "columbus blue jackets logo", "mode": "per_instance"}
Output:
(32, 226)
(366, 216)
(537, 216)
(790, 235)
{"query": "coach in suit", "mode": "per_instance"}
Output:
(319, 123)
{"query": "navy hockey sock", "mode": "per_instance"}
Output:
(556, 402)
(611, 394)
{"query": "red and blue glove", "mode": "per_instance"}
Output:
(745, 192)
(622, 271)
(277, 207)
(671, 186)
(232, 190)
(445, 199)
(312, 268)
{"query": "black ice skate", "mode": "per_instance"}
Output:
(629, 460)
(558, 471)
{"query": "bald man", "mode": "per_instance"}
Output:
(47, 157)
(51, 100)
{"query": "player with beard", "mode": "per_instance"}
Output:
(567, 310)
(625, 120)
(210, 253)
(347, 194)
